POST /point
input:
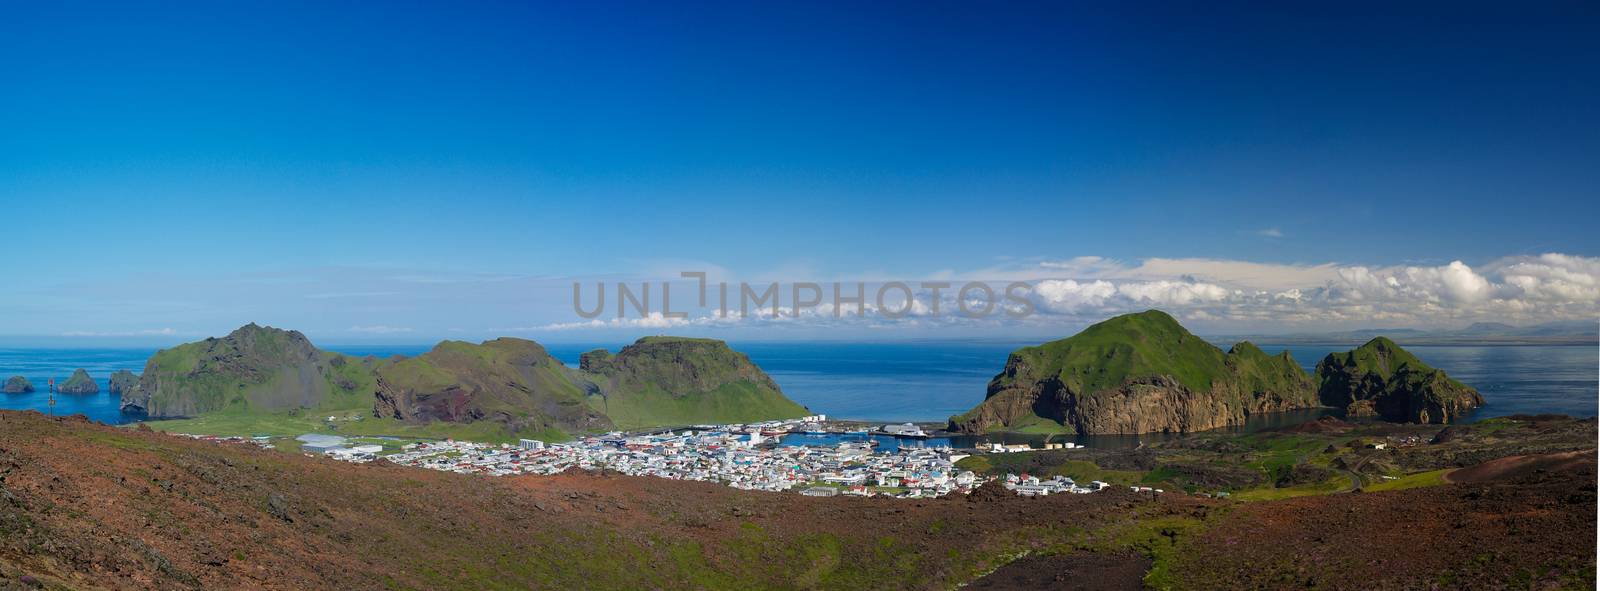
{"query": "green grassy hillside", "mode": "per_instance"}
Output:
(253, 369)
(665, 381)
(1136, 373)
(1256, 372)
(1106, 354)
(261, 379)
(1144, 372)
(1382, 379)
(513, 382)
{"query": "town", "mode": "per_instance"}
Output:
(750, 457)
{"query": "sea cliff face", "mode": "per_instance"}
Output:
(1137, 373)
(1381, 379)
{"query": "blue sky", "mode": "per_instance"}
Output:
(160, 164)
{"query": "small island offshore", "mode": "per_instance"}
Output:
(662, 435)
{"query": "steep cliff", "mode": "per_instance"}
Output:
(682, 381)
(1136, 373)
(1379, 378)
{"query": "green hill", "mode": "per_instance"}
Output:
(1141, 373)
(253, 369)
(510, 381)
(1382, 379)
(1107, 354)
(1136, 373)
(267, 379)
(661, 381)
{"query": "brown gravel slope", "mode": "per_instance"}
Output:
(84, 505)
(88, 506)
(1533, 529)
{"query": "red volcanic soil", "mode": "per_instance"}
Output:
(1512, 467)
(89, 506)
(84, 505)
(1078, 571)
(1534, 528)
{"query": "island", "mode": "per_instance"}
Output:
(17, 385)
(1381, 379)
(1145, 373)
(79, 383)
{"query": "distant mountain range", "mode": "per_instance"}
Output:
(1567, 332)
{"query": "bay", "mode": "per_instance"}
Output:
(904, 381)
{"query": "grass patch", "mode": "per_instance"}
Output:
(247, 424)
(1157, 539)
(1418, 480)
(1329, 486)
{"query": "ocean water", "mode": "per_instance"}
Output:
(912, 381)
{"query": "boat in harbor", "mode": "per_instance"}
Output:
(909, 430)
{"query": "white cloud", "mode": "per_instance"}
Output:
(1219, 292)
(1067, 295)
(1270, 233)
(1172, 293)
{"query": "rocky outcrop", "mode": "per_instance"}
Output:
(596, 361)
(1381, 379)
(122, 381)
(1137, 373)
(17, 385)
(253, 368)
(79, 383)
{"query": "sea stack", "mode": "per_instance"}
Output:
(79, 383)
(17, 385)
(123, 381)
